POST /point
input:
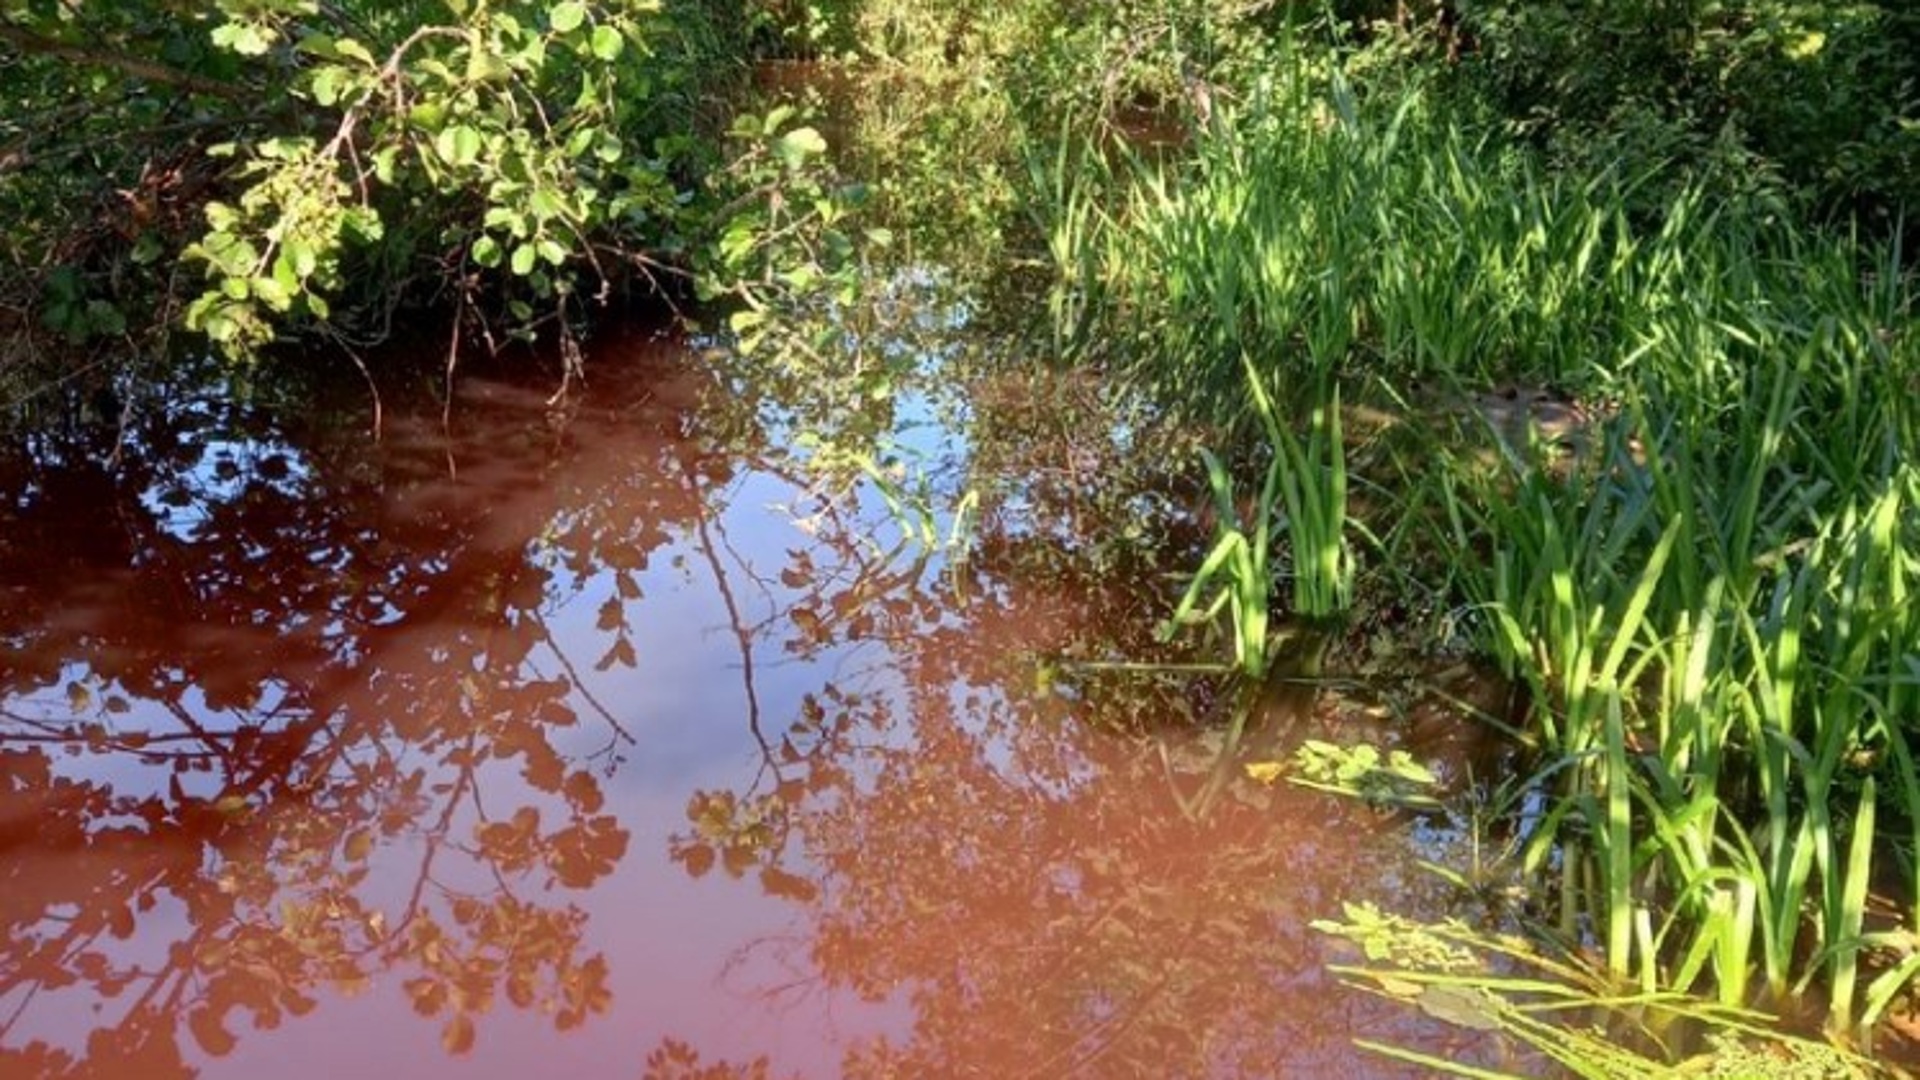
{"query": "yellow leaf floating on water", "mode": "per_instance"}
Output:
(1265, 772)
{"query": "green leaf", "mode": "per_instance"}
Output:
(320, 45)
(247, 39)
(607, 43)
(362, 225)
(523, 259)
(797, 145)
(353, 50)
(302, 257)
(486, 252)
(326, 85)
(484, 66)
(546, 204)
(458, 145)
(553, 251)
(270, 291)
(567, 17)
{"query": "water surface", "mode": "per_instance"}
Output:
(599, 742)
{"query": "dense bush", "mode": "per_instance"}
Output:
(1815, 99)
(260, 166)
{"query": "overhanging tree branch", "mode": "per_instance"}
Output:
(30, 43)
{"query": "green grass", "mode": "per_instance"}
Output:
(1713, 608)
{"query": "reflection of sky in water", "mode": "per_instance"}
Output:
(709, 960)
(692, 958)
(229, 466)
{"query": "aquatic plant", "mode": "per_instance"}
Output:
(1537, 1008)
(1305, 488)
(1234, 576)
(1710, 605)
(1717, 633)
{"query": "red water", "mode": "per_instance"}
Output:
(590, 744)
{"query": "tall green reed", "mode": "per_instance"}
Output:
(1745, 577)
(1304, 491)
(1713, 612)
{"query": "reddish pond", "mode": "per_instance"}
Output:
(593, 743)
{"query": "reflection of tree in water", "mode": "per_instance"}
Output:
(244, 662)
(994, 838)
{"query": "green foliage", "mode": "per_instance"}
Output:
(787, 242)
(1726, 596)
(513, 160)
(944, 95)
(1709, 603)
(1506, 986)
(517, 133)
(1364, 771)
(1320, 229)
(1235, 576)
(1821, 96)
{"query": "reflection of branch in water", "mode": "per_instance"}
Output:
(434, 840)
(1103, 1036)
(573, 675)
(63, 732)
(746, 568)
(805, 980)
(738, 626)
(33, 991)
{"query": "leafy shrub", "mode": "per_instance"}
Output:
(1821, 96)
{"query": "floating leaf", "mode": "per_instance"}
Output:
(1265, 772)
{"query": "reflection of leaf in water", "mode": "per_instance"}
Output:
(621, 653)
(457, 1036)
(429, 995)
(1462, 1006)
(369, 730)
(612, 615)
(583, 792)
(208, 1031)
(778, 882)
(698, 859)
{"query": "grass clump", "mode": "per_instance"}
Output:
(1711, 608)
